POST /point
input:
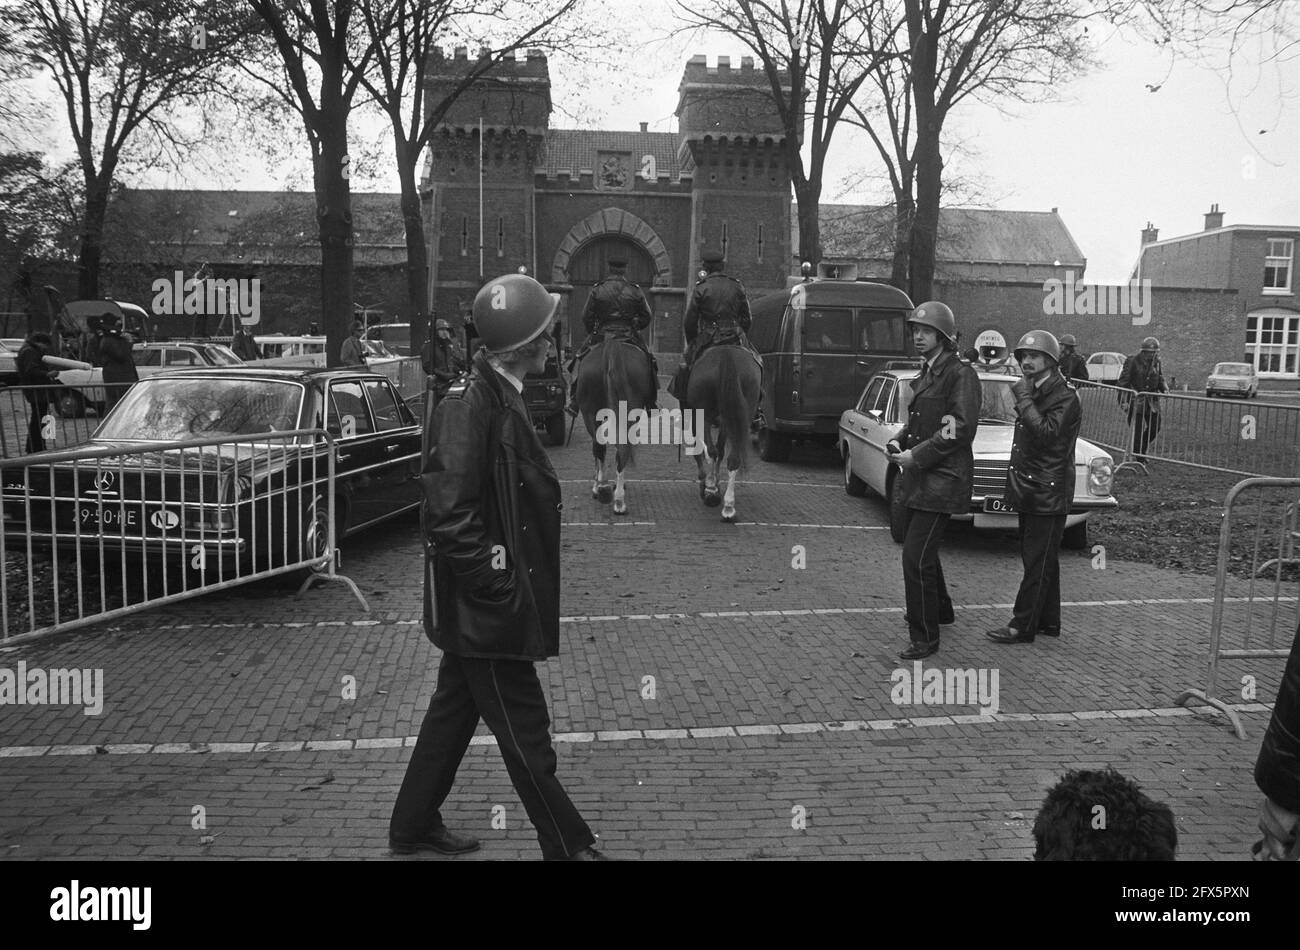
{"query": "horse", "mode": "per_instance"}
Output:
(724, 383)
(614, 371)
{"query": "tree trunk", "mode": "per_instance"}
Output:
(334, 218)
(925, 224)
(807, 196)
(417, 252)
(904, 214)
(91, 253)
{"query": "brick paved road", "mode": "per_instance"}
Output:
(709, 695)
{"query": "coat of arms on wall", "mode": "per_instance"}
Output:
(613, 170)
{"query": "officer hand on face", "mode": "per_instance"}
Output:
(1022, 388)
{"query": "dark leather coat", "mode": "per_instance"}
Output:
(616, 300)
(717, 298)
(491, 523)
(941, 422)
(1277, 770)
(115, 356)
(1074, 366)
(1040, 478)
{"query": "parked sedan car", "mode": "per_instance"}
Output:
(1105, 367)
(1233, 379)
(150, 359)
(247, 506)
(8, 364)
(879, 415)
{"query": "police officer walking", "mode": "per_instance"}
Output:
(491, 523)
(615, 302)
(1142, 374)
(938, 469)
(718, 312)
(1073, 365)
(1040, 484)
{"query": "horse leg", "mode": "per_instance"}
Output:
(701, 457)
(600, 484)
(712, 497)
(729, 497)
(620, 497)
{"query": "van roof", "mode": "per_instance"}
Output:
(767, 311)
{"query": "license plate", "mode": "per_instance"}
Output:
(106, 516)
(998, 506)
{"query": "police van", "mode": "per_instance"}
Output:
(821, 341)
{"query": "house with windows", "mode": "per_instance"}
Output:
(1256, 261)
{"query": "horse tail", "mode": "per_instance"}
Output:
(616, 391)
(733, 408)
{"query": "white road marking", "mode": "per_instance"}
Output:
(619, 735)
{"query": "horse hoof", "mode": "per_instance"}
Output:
(729, 515)
(712, 499)
(604, 494)
(620, 507)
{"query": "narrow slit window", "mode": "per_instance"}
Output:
(464, 235)
(759, 240)
(724, 239)
(501, 237)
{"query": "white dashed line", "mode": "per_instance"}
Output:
(620, 735)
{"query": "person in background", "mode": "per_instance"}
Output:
(243, 345)
(119, 367)
(1073, 365)
(1277, 770)
(352, 352)
(1142, 374)
(441, 357)
(34, 372)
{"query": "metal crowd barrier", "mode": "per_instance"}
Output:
(1251, 630)
(1240, 437)
(89, 535)
(65, 416)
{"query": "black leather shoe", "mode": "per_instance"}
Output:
(444, 841)
(588, 854)
(1049, 631)
(1009, 635)
(919, 651)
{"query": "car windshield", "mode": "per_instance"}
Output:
(166, 408)
(997, 402)
(219, 354)
(1232, 369)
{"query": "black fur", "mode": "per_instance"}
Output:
(1136, 828)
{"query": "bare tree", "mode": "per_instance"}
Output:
(123, 69)
(816, 55)
(403, 34)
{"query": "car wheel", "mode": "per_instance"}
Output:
(898, 514)
(1076, 537)
(773, 446)
(555, 428)
(71, 405)
(852, 484)
(315, 530)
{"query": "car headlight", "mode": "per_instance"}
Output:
(1101, 474)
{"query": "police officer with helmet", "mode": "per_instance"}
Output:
(1073, 365)
(937, 469)
(615, 303)
(491, 523)
(718, 312)
(1040, 484)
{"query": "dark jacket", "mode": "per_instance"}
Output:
(616, 300)
(1040, 478)
(31, 367)
(717, 299)
(941, 421)
(115, 354)
(245, 347)
(441, 360)
(1074, 366)
(491, 523)
(1277, 770)
(1142, 374)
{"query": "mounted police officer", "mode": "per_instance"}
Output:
(491, 525)
(615, 304)
(1040, 483)
(1073, 365)
(937, 469)
(718, 312)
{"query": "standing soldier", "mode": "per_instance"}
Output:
(938, 469)
(441, 357)
(615, 303)
(718, 312)
(1040, 484)
(1142, 374)
(1073, 365)
(491, 524)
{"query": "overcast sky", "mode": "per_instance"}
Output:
(1110, 154)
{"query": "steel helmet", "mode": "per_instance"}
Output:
(1067, 339)
(512, 310)
(1041, 341)
(441, 324)
(1151, 343)
(934, 314)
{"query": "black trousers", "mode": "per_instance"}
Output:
(1146, 426)
(509, 698)
(1038, 603)
(38, 404)
(928, 603)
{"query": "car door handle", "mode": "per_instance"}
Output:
(344, 456)
(392, 446)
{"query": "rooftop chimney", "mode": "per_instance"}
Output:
(1213, 218)
(1150, 233)
(645, 126)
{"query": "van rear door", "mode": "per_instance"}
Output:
(828, 383)
(881, 337)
